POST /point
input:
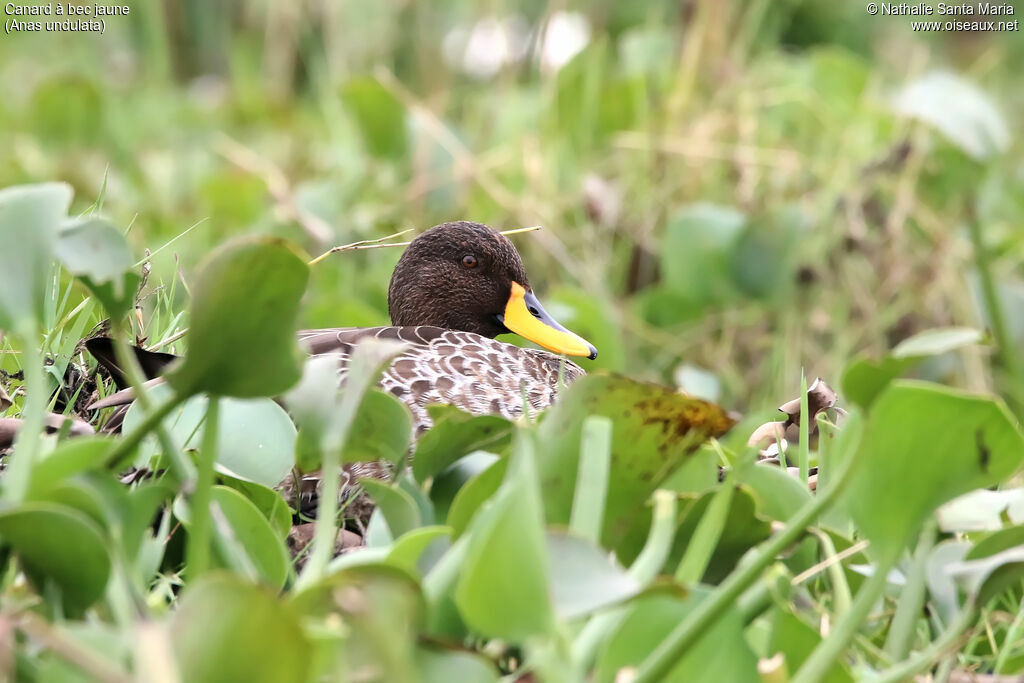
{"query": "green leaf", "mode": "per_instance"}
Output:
(721, 653)
(56, 543)
(464, 667)
(503, 589)
(30, 217)
(255, 437)
(936, 341)
(864, 378)
(92, 247)
(696, 251)
(398, 508)
(243, 320)
(379, 116)
(958, 109)
(796, 640)
(268, 501)
(229, 630)
(264, 547)
(474, 494)
(923, 445)
(68, 459)
(407, 551)
(584, 578)
(456, 433)
(654, 431)
(385, 430)
(777, 495)
(741, 532)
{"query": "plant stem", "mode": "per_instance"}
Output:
(908, 609)
(1004, 340)
(592, 478)
(180, 465)
(644, 569)
(906, 669)
(149, 423)
(197, 553)
(26, 449)
(658, 664)
(804, 450)
(824, 656)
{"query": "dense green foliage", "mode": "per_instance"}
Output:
(731, 194)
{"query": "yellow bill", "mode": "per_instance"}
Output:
(526, 317)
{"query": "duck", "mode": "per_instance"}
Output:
(455, 289)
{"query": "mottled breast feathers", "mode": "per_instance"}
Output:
(479, 375)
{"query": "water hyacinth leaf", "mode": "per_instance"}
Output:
(317, 401)
(959, 110)
(449, 483)
(58, 544)
(987, 577)
(474, 494)
(385, 430)
(982, 510)
(796, 639)
(923, 445)
(503, 589)
(92, 247)
(254, 534)
(864, 379)
(696, 251)
(936, 341)
(379, 116)
(255, 437)
(464, 667)
(584, 578)
(245, 299)
(30, 218)
(456, 433)
(777, 494)
(408, 550)
(654, 431)
(228, 630)
(720, 654)
(379, 607)
(68, 459)
(268, 501)
(742, 530)
(397, 507)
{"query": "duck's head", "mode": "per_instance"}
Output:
(466, 276)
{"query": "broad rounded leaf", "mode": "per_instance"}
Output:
(92, 247)
(62, 545)
(464, 667)
(584, 578)
(454, 434)
(399, 509)
(654, 431)
(923, 445)
(68, 459)
(30, 216)
(720, 654)
(503, 591)
(959, 110)
(934, 342)
(253, 532)
(229, 630)
(243, 312)
(255, 437)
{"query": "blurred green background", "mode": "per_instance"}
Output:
(730, 191)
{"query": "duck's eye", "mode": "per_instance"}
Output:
(469, 261)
